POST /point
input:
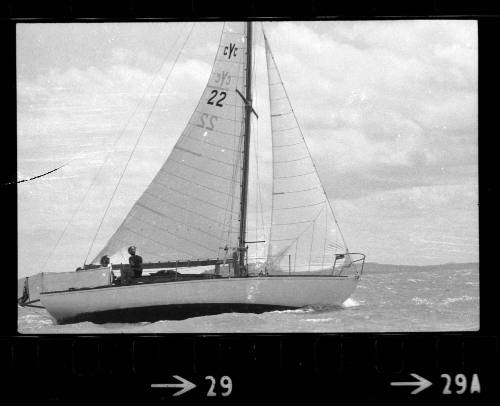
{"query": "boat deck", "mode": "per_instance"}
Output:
(179, 277)
(164, 300)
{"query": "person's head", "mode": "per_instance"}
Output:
(131, 250)
(105, 260)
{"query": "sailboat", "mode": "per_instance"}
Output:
(194, 214)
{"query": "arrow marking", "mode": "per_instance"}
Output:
(184, 384)
(422, 384)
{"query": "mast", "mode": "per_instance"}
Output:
(246, 148)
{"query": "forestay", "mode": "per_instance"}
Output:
(304, 235)
(191, 208)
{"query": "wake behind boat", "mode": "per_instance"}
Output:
(194, 214)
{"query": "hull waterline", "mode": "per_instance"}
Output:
(180, 300)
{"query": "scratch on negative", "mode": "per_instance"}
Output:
(35, 177)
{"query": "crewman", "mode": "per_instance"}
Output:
(236, 263)
(135, 262)
(105, 261)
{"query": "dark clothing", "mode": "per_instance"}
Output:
(126, 275)
(135, 262)
(236, 263)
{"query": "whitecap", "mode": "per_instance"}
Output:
(421, 301)
(464, 298)
(293, 311)
(351, 303)
(317, 320)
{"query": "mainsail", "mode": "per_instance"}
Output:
(191, 208)
(193, 214)
(304, 234)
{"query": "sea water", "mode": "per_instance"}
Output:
(401, 301)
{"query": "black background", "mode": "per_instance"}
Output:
(284, 367)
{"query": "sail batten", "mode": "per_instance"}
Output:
(196, 204)
(302, 222)
(190, 209)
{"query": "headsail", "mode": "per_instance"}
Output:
(304, 235)
(191, 208)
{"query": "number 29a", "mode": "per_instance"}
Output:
(212, 100)
(461, 384)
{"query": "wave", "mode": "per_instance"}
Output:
(464, 298)
(317, 320)
(421, 301)
(302, 310)
(350, 303)
(309, 309)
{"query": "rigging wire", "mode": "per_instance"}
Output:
(269, 247)
(258, 192)
(227, 230)
(324, 242)
(115, 142)
(137, 142)
(298, 237)
(117, 139)
(305, 143)
(254, 143)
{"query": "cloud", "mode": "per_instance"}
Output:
(65, 107)
(413, 225)
(389, 111)
(385, 104)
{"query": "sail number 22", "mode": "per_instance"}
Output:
(217, 102)
(211, 121)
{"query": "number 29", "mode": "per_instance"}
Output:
(225, 382)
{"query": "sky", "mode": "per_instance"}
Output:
(388, 109)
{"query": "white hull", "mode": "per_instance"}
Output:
(248, 293)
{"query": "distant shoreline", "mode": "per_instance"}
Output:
(370, 267)
(376, 267)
